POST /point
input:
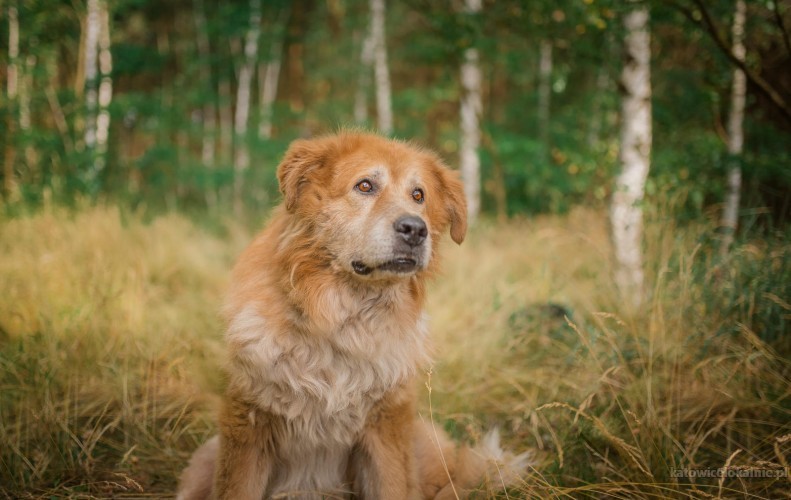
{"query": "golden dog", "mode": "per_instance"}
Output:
(327, 334)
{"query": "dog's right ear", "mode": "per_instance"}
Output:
(304, 156)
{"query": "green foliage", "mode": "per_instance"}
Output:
(164, 85)
(755, 285)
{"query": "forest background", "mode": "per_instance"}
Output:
(140, 141)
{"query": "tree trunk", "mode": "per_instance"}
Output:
(470, 163)
(268, 78)
(208, 113)
(730, 216)
(92, 29)
(544, 93)
(58, 116)
(9, 181)
(626, 213)
(165, 134)
(79, 72)
(226, 120)
(242, 156)
(24, 85)
(384, 106)
(28, 84)
(595, 118)
(364, 78)
(105, 88)
(496, 185)
(295, 34)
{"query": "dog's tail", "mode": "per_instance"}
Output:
(449, 471)
(196, 480)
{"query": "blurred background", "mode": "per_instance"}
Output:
(167, 104)
(622, 303)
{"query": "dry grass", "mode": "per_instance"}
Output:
(110, 354)
(110, 336)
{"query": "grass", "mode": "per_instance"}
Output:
(110, 354)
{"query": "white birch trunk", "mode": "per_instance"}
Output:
(92, 29)
(544, 91)
(105, 87)
(471, 107)
(364, 78)
(730, 216)
(268, 78)
(242, 155)
(626, 213)
(9, 181)
(384, 106)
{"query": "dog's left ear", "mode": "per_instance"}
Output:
(304, 157)
(455, 201)
(457, 206)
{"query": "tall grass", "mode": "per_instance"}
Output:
(109, 337)
(111, 354)
(532, 333)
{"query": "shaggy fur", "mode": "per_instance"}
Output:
(327, 334)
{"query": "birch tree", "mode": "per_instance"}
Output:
(105, 87)
(470, 163)
(242, 155)
(92, 28)
(9, 184)
(364, 78)
(730, 214)
(269, 76)
(384, 106)
(626, 214)
(772, 91)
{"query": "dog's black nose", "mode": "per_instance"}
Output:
(412, 229)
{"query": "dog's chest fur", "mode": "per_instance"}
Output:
(320, 388)
(324, 385)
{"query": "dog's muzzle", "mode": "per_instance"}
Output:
(411, 233)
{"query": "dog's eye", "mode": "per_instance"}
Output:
(364, 186)
(417, 195)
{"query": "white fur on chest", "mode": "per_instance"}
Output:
(324, 386)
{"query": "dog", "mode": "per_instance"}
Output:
(327, 336)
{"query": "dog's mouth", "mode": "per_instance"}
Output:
(398, 266)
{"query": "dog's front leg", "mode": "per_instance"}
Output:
(383, 464)
(245, 458)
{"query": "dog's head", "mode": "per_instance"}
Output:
(376, 206)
